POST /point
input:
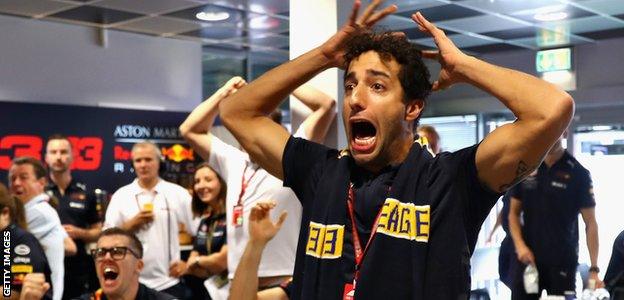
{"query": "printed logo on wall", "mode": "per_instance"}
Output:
(101, 140)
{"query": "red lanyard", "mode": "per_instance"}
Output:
(244, 184)
(357, 246)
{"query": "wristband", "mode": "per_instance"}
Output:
(594, 269)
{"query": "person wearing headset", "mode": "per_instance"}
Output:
(153, 208)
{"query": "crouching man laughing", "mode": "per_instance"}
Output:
(118, 263)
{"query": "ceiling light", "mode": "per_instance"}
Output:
(549, 17)
(550, 13)
(212, 16)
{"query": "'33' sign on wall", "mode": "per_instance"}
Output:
(87, 151)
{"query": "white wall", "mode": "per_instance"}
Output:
(306, 33)
(49, 62)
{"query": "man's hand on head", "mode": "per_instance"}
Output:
(334, 48)
(448, 55)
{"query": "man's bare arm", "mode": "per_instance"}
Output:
(261, 231)
(323, 113)
(196, 128)
(544, 111)
(525, 254)
(244, 113)
(591, 236)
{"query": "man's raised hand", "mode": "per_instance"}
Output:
(334, 48)
(448, 55)
(261, 228)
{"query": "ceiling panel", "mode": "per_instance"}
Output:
(460, 40)
(589, 24)
(543, 43)
(609, 7)
(508, 7)
(32, 8)
(516, 33)
(277, 41)
(95, 15)
(530, 15)
(216, 33)
(482, 23)
(145, 7)
(478, 26)
(444, 13)
(160, 25)
(493, 48)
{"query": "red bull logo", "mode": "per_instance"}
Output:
(177, 153)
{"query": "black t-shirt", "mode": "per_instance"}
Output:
(27, 256)
(286, 286)
(211, 232)
(505, 213)
(551, 201)
(427, 227)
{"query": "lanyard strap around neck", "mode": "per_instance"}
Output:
(245, 183)
(357, 245)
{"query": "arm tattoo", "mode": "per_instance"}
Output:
(522, 171)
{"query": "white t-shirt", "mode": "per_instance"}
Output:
(171, 205)
(278, 258)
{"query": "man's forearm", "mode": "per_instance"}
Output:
(528, 97)
(214, 263)
(202, 117)
(129, 226)
(244, 113)
(516, 230)
(91, 234)
(245, 283)
(265, 94)
(591, 232)
(313, 98)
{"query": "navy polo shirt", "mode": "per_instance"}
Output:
(212, 230)
(615, 272)
(78, 207)
(27, 256)
(551, 202)
(431, 210)
(505, 213)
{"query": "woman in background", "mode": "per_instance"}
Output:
(26, 254)
(209, 255)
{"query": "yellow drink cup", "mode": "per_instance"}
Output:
(149, 206)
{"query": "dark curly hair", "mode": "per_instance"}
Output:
(414, 75)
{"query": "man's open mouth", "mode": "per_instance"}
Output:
(110, 273)
(363, 135)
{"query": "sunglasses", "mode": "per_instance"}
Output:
(117, 253)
